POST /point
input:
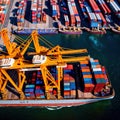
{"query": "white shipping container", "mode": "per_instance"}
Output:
(66, 18)
(98, 16)
(113, 7)
(87, 9)
(70, 9)
(54, 7)
(67, 84)
(116, 6)
(92, 16)
(73, 4)
(97, 69)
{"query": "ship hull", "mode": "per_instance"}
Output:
(71, 32)
(40, 31)
(49, 103)
(98, 32)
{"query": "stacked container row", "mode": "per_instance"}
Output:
(98, 12)
(34, 11)
(86, 76)
(39, 88)
(5, 2)
(35, 86)
(97, 75)
(105, 9)
(21, 13)
(74, 16)
(38, 14)
(69, 82)
(3, 9)
(55, 9)
(115, 8)
(30, 87)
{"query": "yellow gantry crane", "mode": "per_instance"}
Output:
(43, 57)
(53, 57)
(14, 58)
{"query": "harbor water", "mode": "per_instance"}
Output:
(106, 48)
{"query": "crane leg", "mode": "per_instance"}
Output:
(49, 81)
(19, 89)
(60, 77)
(3, 83)
(4, 94)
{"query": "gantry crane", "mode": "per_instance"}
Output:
(15, 57)
(53, 57)
(43, 57)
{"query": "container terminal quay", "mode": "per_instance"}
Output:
(60, 16)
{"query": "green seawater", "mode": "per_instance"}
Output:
(106, 48)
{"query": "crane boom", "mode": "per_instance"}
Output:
(12, 49)
(10, 46)
(38, 48)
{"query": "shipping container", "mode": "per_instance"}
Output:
(94, 6)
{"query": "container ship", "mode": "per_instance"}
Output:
(49, 77)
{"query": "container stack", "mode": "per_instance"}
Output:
(103, 7)
(2, 14)
(34, 10)
(29, 91)
(86, 76)
(55, 9)
(97, 75)
(39, 88)
(39, 12)
(115, 8)
(93, 20)
(21, 13)
(83, 9)
(4, 2)
(98, 12)
(72, 17)
(69, 82)
(67, 22)
(90, 15)
(3, 9)
(76, 14)
(30, 87)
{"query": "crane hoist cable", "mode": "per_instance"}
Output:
(45, 42)
(50, 44)
(19, 41)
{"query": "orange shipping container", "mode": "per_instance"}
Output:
(75, 10)
(73, 92)
(96, 60)
(44, 17)
(87, 76)
(99, 76)
(85, 70)
(84, 62)
(66, 93)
